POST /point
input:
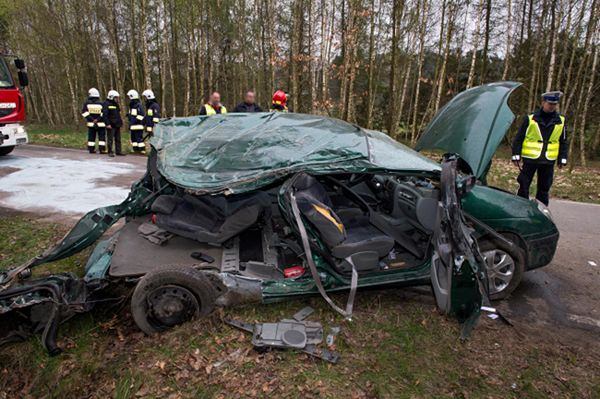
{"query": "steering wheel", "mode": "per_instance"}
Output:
(356, 178)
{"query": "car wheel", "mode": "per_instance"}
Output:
(504, 266)
(6, 150)
(165, 298)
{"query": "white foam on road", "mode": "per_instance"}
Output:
(64, 185)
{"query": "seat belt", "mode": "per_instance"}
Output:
(315, 273)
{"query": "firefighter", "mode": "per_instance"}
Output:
(96, 124)
(540, 142)
(249, 103)
(152, 112)
(112, 113)
(279, 102)
(213, 106)
(135, 117)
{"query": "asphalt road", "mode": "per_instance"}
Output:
(562, 298)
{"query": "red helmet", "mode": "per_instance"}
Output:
(279, 97)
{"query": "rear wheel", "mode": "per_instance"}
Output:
(504, 266)
(6, 150)
(169, 297)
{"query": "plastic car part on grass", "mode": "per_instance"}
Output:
(303, 336)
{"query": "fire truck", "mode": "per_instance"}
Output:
(12, 104)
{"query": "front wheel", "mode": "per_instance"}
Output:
(504, 266)
(165, 298)
(6, 150)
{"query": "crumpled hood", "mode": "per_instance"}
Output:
(472, 125)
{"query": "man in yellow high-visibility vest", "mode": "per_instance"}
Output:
(540, 142)
(213, 106)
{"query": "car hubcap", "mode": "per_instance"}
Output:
(171, 305)
(500, 269)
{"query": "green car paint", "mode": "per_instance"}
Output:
(472, 125)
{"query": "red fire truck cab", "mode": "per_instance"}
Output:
(12, 105)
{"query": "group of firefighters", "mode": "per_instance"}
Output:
(104, 122)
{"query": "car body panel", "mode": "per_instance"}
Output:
(472, 125)
(235, 153)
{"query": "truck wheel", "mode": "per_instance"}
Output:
(165, 298)
(505, 267)
(6, 150)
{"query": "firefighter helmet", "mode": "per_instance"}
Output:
(148, 94)
(279, 97)
(112, 94)
(93, 92)
(133, 95)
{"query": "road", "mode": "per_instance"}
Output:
(562, 298)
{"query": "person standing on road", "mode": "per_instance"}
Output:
(279, 102)
(113, 123)
(135, 117)
(213, 106)
(540, 142)
(152, 113)
(95, 120)
(249, 103)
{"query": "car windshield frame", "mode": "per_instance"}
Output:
(6, 78)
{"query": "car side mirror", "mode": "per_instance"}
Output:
(19, 63)
(23, 79)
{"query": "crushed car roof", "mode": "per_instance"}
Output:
(243, 152)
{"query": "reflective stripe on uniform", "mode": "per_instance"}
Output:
(139, 118)
(133, 111)
(102, 143)
(112, 107)
(94, 108)
(90, 124)
(148, 128)
(150, 112)
(101, 124)
(155, 120)
(85, 114)
(134, 144)
(136, 127)
(91, 143)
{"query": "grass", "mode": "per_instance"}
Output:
(397, 346)
(67, 137)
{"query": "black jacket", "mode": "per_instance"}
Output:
(135, 115)
(245, 107)
(546, 122)
(92, 110)
(112, 113)
(152, 114)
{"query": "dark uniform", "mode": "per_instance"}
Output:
(280, 108)
(245, 107)
(114, 120)
(152, 115)
(92, 111)
(135, 117)
(541, 140)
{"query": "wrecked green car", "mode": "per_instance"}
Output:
(264, 207)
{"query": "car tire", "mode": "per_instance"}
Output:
(505, 267)
(6, 150)
(168, 297)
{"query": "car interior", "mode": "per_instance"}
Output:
(378, 223)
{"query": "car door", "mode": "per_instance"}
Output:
(457, 272)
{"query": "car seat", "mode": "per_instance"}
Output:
(357, 239)
(210, 219)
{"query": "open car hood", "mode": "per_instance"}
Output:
(472, 125)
